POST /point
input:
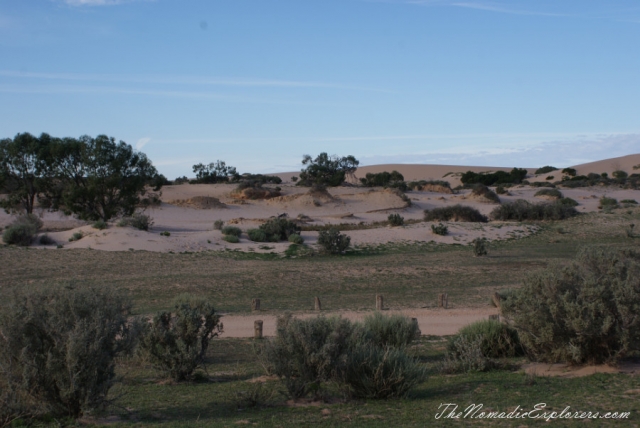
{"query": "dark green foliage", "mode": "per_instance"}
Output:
(498, 339)
(294, 238)
(522, 210)
(395, 220)
(455, 213)
(499, 177)
(465, 356)
(550, 177)
(46, 240)
(275, 230)
(333, 242)
(500, 190)
(620, 174)
(138, 220)
(553, 193)
(327, 170)
(541, 184)
(440, 229)
(165, 233)
(232, 239)
(58, 348)
(231, 230)
(215, 172)
(629, 201)
(382, 179)
(257, 179)
(22, 230)
(100, 225)
(545, 169)
(181, 180)
(568, 202)
(378, 373)
(570, 172)
(217, 225)
(76, 236)
(608, 203)
(176, 342)
(586, 312)
(396, 331)
(481, 190)
(480, 246)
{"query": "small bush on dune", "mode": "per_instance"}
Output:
(395, 220)
(46, 240)
(480, 246)
(333, 242)
(480, 190)
(440, 229)
(500, 190)
(217, 225)
(232, 239)
(100, 225)
(395, 331)
(296, 239)
(498, 339)
(423, 184)
(22, 230)
(231, 230)
(76, 236)
(257, 235)
(585, 312)
(568, 202)
(138, 220)
(455, 213)
(58, 348)
(522, 210)
(279, 229)
(177, 342)
(551, 193)
(545, 169)
(608, 203)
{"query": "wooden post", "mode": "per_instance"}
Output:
(418, 332)
(496, 301)
(379, 302)
(255, 304)
(443, 300)
(257, 329)
(318, 306)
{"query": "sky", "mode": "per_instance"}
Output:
(260, 83)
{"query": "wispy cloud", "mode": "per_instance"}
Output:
(142, 142)
(96, 2)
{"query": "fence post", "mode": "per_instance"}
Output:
(318, 306)
(255, 304)
(257, 329)
(379, 302)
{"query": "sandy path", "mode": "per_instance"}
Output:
(437, 322)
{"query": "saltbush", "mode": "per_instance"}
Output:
(217, 225)
(46, 240)
(498, 339)
(545, 169)
(455, 213)
(395, 220)
(177, 342)
(138, 220)
(395, 331)
(586, 312)
(552, 193)
(480, 190)
(58, 348)
(333, 242)
(76, 236)
(279, 229)
(608, 203)
(522, 210)
(257, 235)
(231, 230)
(232, 239)
(480, 246)
(22, 230)
(296, 239)
(465, 356)
(440, 229)
(100, 225)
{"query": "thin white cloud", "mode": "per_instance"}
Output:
(96, 2)
(142, 142)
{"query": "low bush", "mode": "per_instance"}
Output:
(440, 229)
(296, 239)
(46, 240)
(177, 342)
(629, 201)
(498, 339)
(395, 220)
(138, 220)
(551, 193)
(381, 179)
(22, 230)
(570, 172)
(257, 235)
(482, 191)
(480, 246)
(465, 356)
(522, 210)
(568, 202)
(455, 213)
(165, 233)
(620, 174)
(516, 175)
(100, 225)
(58, 348)
(583, 313)
(396, 331)
(232, 239)
(231, 230)
(541, 184)
(545, 169)
(429, 184)
(333, 242)
(608, 203)
(217, 225)
(76, 236)
(500, 190)
(279, 229)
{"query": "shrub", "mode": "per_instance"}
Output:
(381, 179)
(552, 193)
(333, 242)
(217, 225)
(585, 312)
(100, 225)
(620, 174)
(165, 233)
(455, 213)
(550, 177)
(232, 239)
(177, 342)
(465, 355)
(516, 175)
(426, 184)
(138, 220)
(522, 210)
(76, 236)
(439, 229)
(498, 339)
(231, 230)
(569, 172)
(629, 201)
(279, 229)
(545, 169)
(46, 240)
(374, 372)
(257, 235)
(306, 353)
(480, 190)
(18, 235)
(394, 331)
(608, 203)
(568, 202)
(296, 239)
(500, 190)
(58, 348)
(327, 170)
(480, 247)
(395, 220)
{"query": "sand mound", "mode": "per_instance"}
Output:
(255, 193)
(313, 198)
(199, 202)
(437, 188)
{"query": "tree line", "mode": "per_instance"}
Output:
(92, 178)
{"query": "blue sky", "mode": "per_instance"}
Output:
(259, 83)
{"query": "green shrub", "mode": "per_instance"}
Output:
(46, 240)
(568, 202)
(480, 246)
(490, 178)
(296, 239)
(522, 210)
(374, 372)
(232, 239)
(138, 220)
(440, 229)
(279, 229)
(422, 184)
(608, 203)
(165, 233)
(629, 201)
(177, 342)
(480, 190)
(585, 312)
(231, 230)
(620, 174)
(395, 220)
(382, 179)
(58, 348)
(217, 225)
(333, 242)
(257, 235)
(545, 169)
(395, 331)
(21, 234)
(465, 356)
(455, 213)
(500, 190)
(498, 339)
(100, 225)
(76, 236)
(552, 193)
(550, 177)
(570, 172)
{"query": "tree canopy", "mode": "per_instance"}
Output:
(215, 172)
(327, 170)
